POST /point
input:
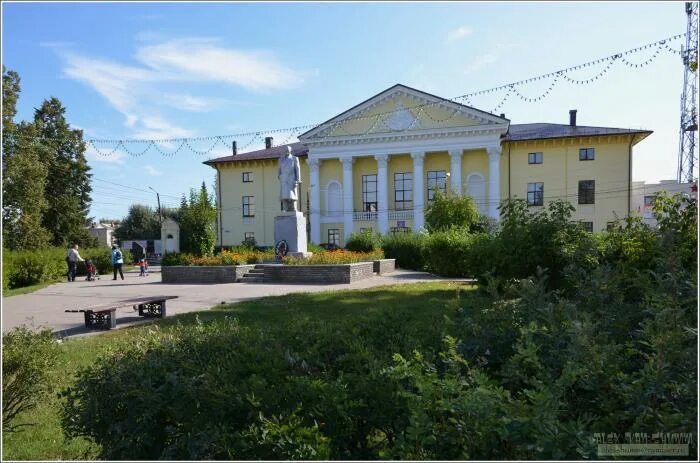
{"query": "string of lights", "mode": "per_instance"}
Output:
(159, 145)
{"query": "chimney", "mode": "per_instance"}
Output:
(234, 148)
(268, 143)
(572, 117)
(503, 115)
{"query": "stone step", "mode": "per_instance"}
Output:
(255, 272)
(247, 279)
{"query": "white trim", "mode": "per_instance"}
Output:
(404, 146)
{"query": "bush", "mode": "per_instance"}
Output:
(407, 248)
(451, 252)
(366, 241)
(445, 212)
(172, 258)
(26, 357)
(315, 248)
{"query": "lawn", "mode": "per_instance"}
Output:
(28, 289)
(417, 312)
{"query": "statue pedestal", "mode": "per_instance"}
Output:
(291, 227)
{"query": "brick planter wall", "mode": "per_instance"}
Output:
(204, 274)
(384, 266)
(342, 273)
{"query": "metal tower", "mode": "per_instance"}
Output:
(687, 151)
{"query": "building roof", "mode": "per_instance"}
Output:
(539, 131)
(516, 132)
(298, 149)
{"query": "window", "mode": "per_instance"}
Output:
(248, 206)
(610, 226)
(586, 192)
(437, 181)
(395, 230)
(534, 158)
(334, 236)
(586, 154)
(403, 191)
(369, 193)
(535, 194)
(649, 201)
(247, 177)
(249, 236)
(588, 226)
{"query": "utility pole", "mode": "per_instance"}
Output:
(160, 213)
(687, 150)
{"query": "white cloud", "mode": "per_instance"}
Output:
(152, 171)
(459, 33)
(202, 60)
(481, 61)
(134, 90)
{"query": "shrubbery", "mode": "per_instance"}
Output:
(366, 241)
(452, 252)
(26, 357)
(407, 248)
(26, 268)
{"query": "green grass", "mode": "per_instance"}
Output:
(28, 289)
(420, 309)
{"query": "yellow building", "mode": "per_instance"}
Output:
(376, 166)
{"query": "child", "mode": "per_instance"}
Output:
(143, 266)
(90, 270)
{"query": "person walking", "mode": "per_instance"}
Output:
(117, 261)
(73, 258)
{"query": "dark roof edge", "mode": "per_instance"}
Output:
(581, 135)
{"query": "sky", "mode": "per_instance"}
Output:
(170, 70)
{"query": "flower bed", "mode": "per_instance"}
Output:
(223, 258)
(335, 257)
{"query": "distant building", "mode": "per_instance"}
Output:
(643, 196)
(103, 232)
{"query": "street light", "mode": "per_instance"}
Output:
(160, 215)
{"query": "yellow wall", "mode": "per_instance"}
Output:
(265, 189)
(428, 117)
(561, 170)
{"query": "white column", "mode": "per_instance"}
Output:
(348, 207)
(494, 180)
(382, 194)
(418, 190)
(315, 206)
(456, 171)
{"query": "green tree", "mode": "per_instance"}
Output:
(10, 94)
(197, 218)
(447, 211)
(140, 223)
(24, 202)
(62, 150)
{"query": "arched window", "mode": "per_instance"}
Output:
(334, 199)
(476, 188)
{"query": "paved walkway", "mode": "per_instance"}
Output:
(45, 307)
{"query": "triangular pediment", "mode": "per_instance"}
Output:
(403, 110)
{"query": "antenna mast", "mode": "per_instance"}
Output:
(687, 152)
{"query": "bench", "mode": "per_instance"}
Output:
(105, 316)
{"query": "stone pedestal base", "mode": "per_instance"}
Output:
(291, 227)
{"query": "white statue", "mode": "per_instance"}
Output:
(289, 174)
